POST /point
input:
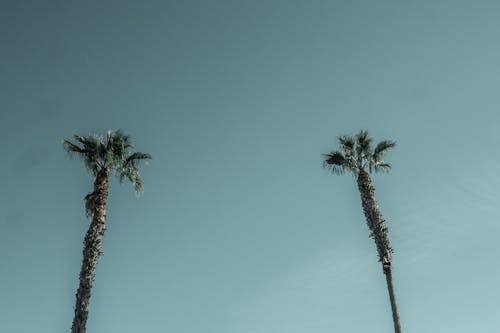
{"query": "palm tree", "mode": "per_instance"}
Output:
(357, 156)
(100, 155)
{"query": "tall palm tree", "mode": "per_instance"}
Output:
(358, 156)
(100, 155)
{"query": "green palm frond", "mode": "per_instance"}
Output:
(382, 167)
(138, 184)
(347, 144)
(87, 153)
(356, 152)
(336, 162)
(138, 156)
(363, 145)
(112, 152)
(90, 143)
(92, 164)
(70, 147)
(129, 169)
(131, 173)
(118, 142)
(381, 148)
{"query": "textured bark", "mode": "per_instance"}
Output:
(392, 296)
(378, 231)
(96, 208)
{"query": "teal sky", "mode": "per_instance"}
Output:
(239, 229)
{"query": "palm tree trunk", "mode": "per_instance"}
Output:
(392, 296)
(378, 231)
(96, 207)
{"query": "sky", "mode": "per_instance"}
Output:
(240, 229)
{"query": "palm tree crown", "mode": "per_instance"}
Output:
(112, 152)
(357, 153)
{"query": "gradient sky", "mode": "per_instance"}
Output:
(239, 229)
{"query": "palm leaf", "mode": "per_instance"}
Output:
(347, 144)
(381, 148)
(382, 167)
(130, 171)
(111, 152)
(336, 162)
(70, 147)
(138, 156)
(363, 145)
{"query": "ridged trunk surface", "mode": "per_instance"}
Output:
(96, 206)
(378, 231)
(392, 297)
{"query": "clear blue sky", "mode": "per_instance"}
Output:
(239, 229)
